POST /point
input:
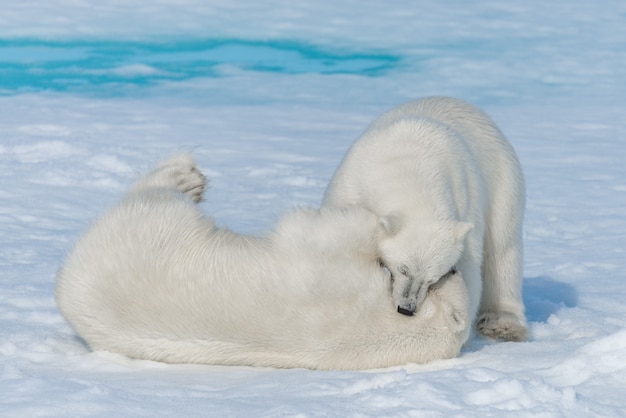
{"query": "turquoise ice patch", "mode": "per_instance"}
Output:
(113, 66)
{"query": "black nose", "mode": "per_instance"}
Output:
(404, 311)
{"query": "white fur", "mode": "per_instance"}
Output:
(449, 191)
(153, 278)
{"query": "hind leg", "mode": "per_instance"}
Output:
(179, 173)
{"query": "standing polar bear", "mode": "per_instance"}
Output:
(153, 278)
(449, 191)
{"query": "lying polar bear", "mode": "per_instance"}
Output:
(449, 191)
(153, 278)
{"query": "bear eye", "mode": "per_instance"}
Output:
(404, 270)
(451, 272)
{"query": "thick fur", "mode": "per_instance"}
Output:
(153, 278)
(449, 191)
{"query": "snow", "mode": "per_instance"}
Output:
(268, 96)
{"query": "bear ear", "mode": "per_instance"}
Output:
(390, 223)
(462, 229)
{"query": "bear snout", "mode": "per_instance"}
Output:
(406, 311)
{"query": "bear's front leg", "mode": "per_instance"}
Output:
(179, 173)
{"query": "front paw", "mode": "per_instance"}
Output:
(502, 326)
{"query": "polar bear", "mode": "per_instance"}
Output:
(449, 191)
(153, 278)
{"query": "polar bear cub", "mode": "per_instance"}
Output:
(449, 191)
(153, 278)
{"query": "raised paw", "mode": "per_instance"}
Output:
(191, 182)
(179, 173)
(501, 326)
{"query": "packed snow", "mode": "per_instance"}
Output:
(268, 96)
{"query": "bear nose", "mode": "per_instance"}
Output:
(408, 311)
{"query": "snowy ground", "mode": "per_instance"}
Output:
(268, 96)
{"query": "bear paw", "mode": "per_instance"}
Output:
(501, 326)
(179, 173)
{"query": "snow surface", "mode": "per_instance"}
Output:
(268, 96)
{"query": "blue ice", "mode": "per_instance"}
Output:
(94, 66)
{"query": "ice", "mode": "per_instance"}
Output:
(268, 96)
